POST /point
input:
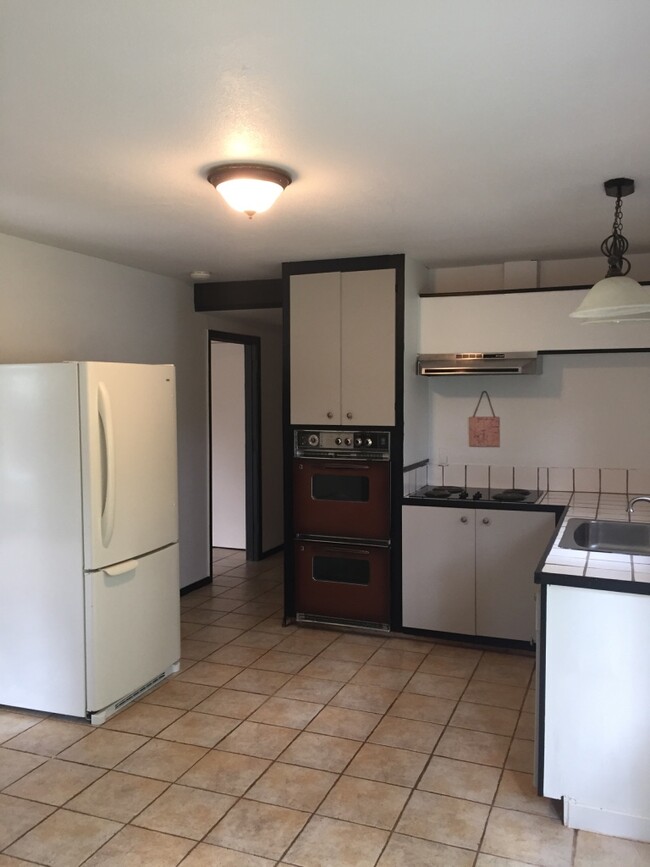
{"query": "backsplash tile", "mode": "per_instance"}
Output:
(501, 477)
(638, 482)
(586, 479)
(527, 477)
(560, 478)
(613, 481)
(478, 476)
(454, 474)
(587, 484)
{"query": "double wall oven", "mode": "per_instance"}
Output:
(341, 521)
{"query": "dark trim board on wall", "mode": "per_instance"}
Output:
(253, 435)
(195, 585)
(237, 295)
(512, 291)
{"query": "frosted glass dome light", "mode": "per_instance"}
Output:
(249, 188)
(616, 298)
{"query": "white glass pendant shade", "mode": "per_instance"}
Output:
(248, 195)
(249, 188)
(615, 299)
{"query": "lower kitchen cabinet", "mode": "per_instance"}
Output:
(470, 571)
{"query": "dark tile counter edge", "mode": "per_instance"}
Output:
(641, 588)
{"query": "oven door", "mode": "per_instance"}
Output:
(349, 499)
(343, 583)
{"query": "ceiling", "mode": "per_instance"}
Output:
(457, 132)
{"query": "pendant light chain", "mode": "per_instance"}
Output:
(615, 245)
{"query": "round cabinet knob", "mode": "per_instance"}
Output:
(348, 415)
(463, 520)
(338, 441)
(358, 441)
(330, 414)
(368, 441)
(486, 520)
(348, 441)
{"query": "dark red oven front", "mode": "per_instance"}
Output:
(344, 499)
(343, 583)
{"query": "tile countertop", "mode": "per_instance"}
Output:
(622, 572)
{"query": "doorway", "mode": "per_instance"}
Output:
(234, 376)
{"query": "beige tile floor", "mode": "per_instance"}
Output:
(288, 746)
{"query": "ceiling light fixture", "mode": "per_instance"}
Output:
(249, 187)
(616, 298)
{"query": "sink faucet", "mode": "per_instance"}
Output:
(630, 505)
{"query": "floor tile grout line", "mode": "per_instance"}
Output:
(381, 715)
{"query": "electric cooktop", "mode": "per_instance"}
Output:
(486, 495)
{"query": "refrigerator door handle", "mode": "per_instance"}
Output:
(108, 445)
(121, 568)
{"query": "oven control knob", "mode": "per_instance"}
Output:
(368, 442)
(338, 441)
(358, 441)
(313, 439)
(348, 441)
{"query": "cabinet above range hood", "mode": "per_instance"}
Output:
(479, 363)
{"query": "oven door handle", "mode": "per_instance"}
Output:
(361, 552)
(348, 465)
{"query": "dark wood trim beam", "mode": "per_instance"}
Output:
(237, 295)
(512, 291)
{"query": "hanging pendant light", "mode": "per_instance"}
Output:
(616, 298)
(249, 187)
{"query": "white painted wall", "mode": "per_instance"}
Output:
(584, 410)
(57, 305)
(228, 445)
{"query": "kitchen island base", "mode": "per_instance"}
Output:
(593, 745)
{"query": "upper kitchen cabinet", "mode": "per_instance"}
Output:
(342, 348)
(518, 322)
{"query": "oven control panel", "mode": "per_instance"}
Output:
(367, 444)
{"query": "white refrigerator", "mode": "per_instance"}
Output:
(89, 586)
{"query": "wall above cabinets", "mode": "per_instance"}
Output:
(518, 322)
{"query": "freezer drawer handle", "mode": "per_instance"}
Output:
(121, 568)
(106, 429)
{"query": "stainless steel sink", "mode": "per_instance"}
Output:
(615, 537)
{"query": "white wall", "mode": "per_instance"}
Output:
(56, 305)
(590, 410)
(228, 445)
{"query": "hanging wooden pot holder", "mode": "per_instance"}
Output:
(484, 430)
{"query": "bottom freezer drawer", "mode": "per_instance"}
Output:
(132, 625)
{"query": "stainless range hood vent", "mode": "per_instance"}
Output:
(479, 363)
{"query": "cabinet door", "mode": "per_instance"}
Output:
(315, 345)
(509, 545)
(438, 569)
(368, 347)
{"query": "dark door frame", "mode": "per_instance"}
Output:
(253, 436)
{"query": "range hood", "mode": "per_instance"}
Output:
(478, 363)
